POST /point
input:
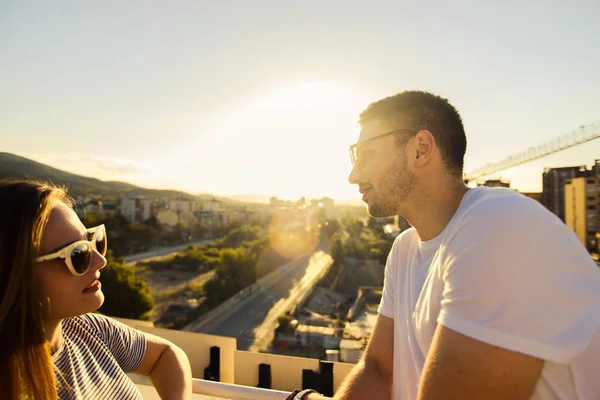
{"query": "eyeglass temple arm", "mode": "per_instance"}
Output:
(56, 254)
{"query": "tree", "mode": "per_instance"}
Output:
(126, 295)
(245, 233)
(354, 227)
(236, 265)
(336, 249)
(141, 237)
(284, 321)
(329, 228)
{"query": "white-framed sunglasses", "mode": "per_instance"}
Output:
(78, 255)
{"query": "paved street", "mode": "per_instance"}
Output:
(162, 251)
(254, 322)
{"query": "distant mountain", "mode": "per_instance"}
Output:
(265, 199)
(17, 167)
(251, 198)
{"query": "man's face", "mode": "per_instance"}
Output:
(381, 170)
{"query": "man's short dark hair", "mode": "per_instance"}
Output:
(418, 110)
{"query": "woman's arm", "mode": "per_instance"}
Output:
(168, 367)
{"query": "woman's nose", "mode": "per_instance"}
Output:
(98, 261)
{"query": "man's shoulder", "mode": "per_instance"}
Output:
(405, 238)
(500, 206)
(507, 221)
(498, 197)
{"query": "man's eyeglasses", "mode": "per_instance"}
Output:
(354, 155)
(78, 255)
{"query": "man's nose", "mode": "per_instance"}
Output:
(355, 176)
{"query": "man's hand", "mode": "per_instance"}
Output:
(372, 377)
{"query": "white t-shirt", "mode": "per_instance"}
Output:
(504, 271)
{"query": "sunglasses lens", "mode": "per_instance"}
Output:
(81, 258)
(101, 242)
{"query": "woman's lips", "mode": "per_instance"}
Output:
(93, 287)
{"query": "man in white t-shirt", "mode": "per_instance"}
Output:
(489, 296)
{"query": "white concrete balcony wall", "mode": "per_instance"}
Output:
(196, 346)
(286, 371)
(206, 390)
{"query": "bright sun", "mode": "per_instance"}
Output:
(317, 117)
(294, 137)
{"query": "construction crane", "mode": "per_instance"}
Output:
(583, 134)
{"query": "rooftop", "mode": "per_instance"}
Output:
(238, 370)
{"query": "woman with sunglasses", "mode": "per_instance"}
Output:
(51, 344)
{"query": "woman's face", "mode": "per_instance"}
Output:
(63, 294)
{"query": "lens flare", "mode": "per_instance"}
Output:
(293, 233)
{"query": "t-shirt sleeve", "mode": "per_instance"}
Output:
(516, 277)
(386, 306)
(127, 345)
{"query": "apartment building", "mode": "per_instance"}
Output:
(554, 180)
(182, 205)
(582, 209)
(136, 209)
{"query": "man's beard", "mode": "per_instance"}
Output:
(392, 190)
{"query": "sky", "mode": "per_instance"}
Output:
(263, 97)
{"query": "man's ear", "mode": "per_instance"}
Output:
(424, 145)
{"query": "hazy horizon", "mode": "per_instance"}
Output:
(264, 197)
(254, 197)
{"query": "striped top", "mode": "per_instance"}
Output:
(95, 354)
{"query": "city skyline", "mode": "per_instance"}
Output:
(264, 99)
(266, 197)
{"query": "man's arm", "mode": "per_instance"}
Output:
(460, 367)
(168, 368)
(372, 377)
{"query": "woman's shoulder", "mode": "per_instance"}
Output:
(90, 322)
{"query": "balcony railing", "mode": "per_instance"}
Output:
(213, 390)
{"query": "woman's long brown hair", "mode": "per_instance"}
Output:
(26, 369)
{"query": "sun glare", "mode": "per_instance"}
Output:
(293, 137)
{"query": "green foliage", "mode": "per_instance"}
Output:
(245, 233)
(363, 244)
(329, 228)
(194, 259)
(354, 227)
(240, 266)
(238, 259)
(336, 249)
(126, 295)
(284, 321)
(237, 266)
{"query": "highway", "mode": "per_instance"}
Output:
(162, 251)
(253, 322)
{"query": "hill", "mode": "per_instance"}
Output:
(17, 167)
(265, 199)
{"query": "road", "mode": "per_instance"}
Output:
(162, 251)
(254, 322)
